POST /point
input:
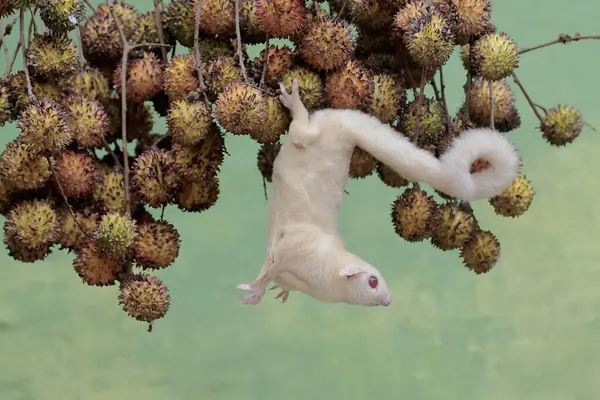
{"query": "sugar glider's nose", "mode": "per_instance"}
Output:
(386, 299)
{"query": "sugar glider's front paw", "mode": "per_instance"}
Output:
(290, 100)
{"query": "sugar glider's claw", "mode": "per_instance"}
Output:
(295, 87)
(274, 287)
(283, 295)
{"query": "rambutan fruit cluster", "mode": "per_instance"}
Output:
(90, 168)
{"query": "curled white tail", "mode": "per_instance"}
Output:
(451, 173)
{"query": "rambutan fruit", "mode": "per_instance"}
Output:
(310, 84)
(431, 125)
(156, 245)
(19, 95)
(24, 254)
(45, 126)
(198, 196)
(349, 87)
(156, 177)
(479, 106)
(381, 62)
(180, 77)
(372, 14)
(275, 125)
(217, 17)
(362, 164)
(390, 177)
(71, 236)
(114, 235)
(407, 14)
(144, 78)
(281, 18)
(429, 40)
(562, 124)
(188, 122)
(388, 97)
(279, 61)
(250, 25)
(214, 48)
(219, 73)
(241, 109)
(515, 200)
(110, 193)
(22, 168)
(144, 297)
(481, 253)
(178, 20)
(327, 44)
(414, 215)
(465, 57)
(78, 174)
(371, 42)
(494, 56)
(6, 194)
(471, 18)
(5, 104)
(202, 160)
(454, 227)
(88, 82)
(61, 15)
(95, 268)
(265, 159)
(51, 56)
(148, 32)
(32, 224)
(89, 120)
(6, 7)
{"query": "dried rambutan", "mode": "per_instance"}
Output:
(265, 158)
(156, 177)
(88, 82)
(219, 73)
(217, 17)
(110, 193)
(32, 224)
(78, 174)
(310, 84)
(61, 15)
(431, 122)
(71, 236)
(22, 168)
(198, 196)
(515, 200)
(178, 20)
(6, 194)
(156, 245)
(24, 254)
(408, 14)
(327, 44)
(454, 227)
(5, 104)
(471, 18)
(481, 253)
(250, 25)
(390, 177)
(362, 164)
(45, 126)
(89, 120)
(144, 78)
(241, 109)
(279, 61)
(94, 268)
(414, 215)
(52, 56)
(349, 87)
(6, 7)
(144, 297)
(479, 106)
(562, 124)
(281, 18)
(180, 77)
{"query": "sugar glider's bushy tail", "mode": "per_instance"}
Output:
(450, 173)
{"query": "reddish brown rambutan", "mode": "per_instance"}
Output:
(144, 78)
(78, 173)
(281, 18)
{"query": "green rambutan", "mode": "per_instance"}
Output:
(52, 56)
(388, 97)
(275, 125)
(219, 73)
(114, 235)
(156, 245)
(310, 84)
(429, 40)
(562, 124)
(178, 21)
(515, 200)
(88, 82)
(241, 109)
(110, 193)
(217, 17)
(32, 224)
(89, 120)
(45, 126)
(494, 56)
(22, 168)
(431, 125)
(189, 122)
(180, 77)
(61, 15)
(71, 236)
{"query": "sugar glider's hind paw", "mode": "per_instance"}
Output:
(254, 297)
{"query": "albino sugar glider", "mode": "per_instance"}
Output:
(305, 251)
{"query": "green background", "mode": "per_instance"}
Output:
(527, 330)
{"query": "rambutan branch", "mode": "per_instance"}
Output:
(112, 153)
(159, 28)
(238, 35)
(342, 10)
(197, 55)
(420, 99)
(436, 91)
(90, 5)
(528, 98)
(82, 60)
(562, 39)
(266, 61)
(444, 102)
(35, 25)
(490, 83)
(24, 51)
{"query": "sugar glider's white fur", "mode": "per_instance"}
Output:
(305, 251)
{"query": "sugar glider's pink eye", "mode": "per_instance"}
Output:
(373, 282)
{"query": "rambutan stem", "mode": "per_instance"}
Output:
(112, 153)
(266, 61)
(531, 103)
(444, 102)
(342, 10)
(238, 35)
(490, 83)
(159, 28)
(33, 21)
(82, 60)
(197, 55)
(91, 7)
(562, 39)
(24, 51)
(420, 99)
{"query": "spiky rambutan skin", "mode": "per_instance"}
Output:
(62, 15)
(87, 82)
(390, 177)
(45, 126)
(431, 126)
(217, 17)
(362, 164)
(144, 297)
(32, 224)
(202, 160)
(180, 77)
(95, 268)
(281, 18)
(198, 196)
(310, 84)
(144, 78)
(250, 25)
(454, 228)
(479, 102)
(188, 122)
(414, 215)
(515, 200)
(407, 14)
(22, 168)
(6, 194)
(510, 123)
(481, 253)
(471, 18)
(5, 104)
(371, 42)
(495, 56)
(6, 7)
(382, 62)
(327, 44)
(110, 193)
(265, 159)
(178, 20)
(114, 235)
(148, 32)
(156, 177)
(77, 173)
(388, 97)
(89, 120)
(100, 37)
(562, 125)
(429, 40)
(219, 73)
(241, 109)
(156, 245)
(23, 254)
(372, 14)
(349, 87)
(51, 56)
(277, 122)
(19, 96)
(70, 234)
(279, 61)
(214, 48)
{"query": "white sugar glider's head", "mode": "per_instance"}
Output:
(365, 286)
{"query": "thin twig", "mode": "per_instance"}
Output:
(238, 35)
(89, 4)
(531, 103)
(420, 100)
(490, 84)
(436, 91)
(342, 9)
(159, 28)
(13, 59)
(197, 55)
(35, 25)
(162, 213)
(266, 61)
(444, 102)
(112, 153)
(82, 60)
(541, 108)
(562, 39)
(5, 31)
(24, 52)
(160, 139)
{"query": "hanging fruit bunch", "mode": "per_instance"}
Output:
(87, 164)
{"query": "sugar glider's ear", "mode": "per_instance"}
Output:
(350, 271)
